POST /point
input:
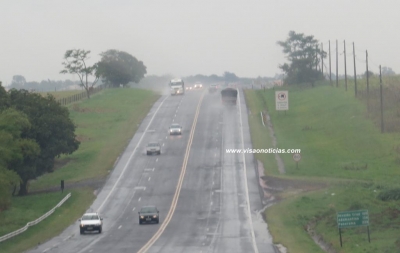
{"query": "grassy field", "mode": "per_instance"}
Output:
(338, 142)
(105, 124)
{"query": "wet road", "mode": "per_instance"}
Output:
(208, 199)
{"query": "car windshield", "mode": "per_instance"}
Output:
(148, 209)
(175, 126)
(90, 217)
(153, 144)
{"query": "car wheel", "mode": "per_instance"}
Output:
(81, 231)
(100, 229)
(159, 152)
(158, 221)
(140, 222)
(148, 153)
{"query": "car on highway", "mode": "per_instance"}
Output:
(198, 86)
(175, 129)
(149, 214)
(213, 88)
(90, 222)
(153, 148)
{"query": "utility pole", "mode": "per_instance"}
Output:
(355, 72)
(330, 70)
(380, 86)
(345, 67)
(337, 64)
(322, 59)
(316, 57)
(366, 57)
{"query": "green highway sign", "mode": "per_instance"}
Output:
(350, 219)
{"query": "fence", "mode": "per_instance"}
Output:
(29, 224)
(79, 96)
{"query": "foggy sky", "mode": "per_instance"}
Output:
(188, 37)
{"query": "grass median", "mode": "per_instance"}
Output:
(105, 125)
(342, 146)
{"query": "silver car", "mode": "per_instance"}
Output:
(175, 129)
(153, 148)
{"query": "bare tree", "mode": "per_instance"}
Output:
(75, 63)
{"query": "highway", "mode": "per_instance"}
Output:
(209, 200)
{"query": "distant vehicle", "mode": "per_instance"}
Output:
(177, 87)
(213, 88)
(175, 129)
(229, 96)
(198, 86)
(153, 148)
(149, 214)
(90, 222)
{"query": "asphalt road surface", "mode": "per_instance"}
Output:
(209, 200)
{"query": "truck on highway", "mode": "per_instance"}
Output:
(229, 96)
(177, 87)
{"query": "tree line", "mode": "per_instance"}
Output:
(115, 69)
(34, 130)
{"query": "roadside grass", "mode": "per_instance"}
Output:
(340, 145)
(105, 125)
(38, 205)
(260, 137)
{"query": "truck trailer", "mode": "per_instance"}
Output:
(229, 96)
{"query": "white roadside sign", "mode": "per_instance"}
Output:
(282, 100)
(296, 157)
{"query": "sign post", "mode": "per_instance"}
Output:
(282, 100)
(350, 219)
(297, 158)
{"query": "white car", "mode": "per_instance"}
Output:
(175, 129)
(90, 222)
(153, 148)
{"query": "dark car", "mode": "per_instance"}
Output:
(148, 214)
(175, 129)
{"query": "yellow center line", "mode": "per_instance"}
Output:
(178, 187)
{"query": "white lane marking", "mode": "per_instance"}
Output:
(148, 179)
(166, 137)
(44, 251)
(211, 203)
(157, 158)
(163, 144)
(139, 198)
(215, 155)
(133, 209)
(131, 156)
(120, 226)
(253, 237)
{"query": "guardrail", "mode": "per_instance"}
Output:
(29, 224)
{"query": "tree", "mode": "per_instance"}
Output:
(386, 71)
(303, 53)
(230, 77)
(18, 80)
(75, 63)
(117, 67)
(51, 128)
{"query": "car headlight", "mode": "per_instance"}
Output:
(154, 216)
(141, 217)
(81, 225)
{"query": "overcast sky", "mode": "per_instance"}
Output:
(188, 37)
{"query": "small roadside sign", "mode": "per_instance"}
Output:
(296, 157)
(282, 100)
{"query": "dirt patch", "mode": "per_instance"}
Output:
(58, 163)
(82, 138)
(78, 108)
